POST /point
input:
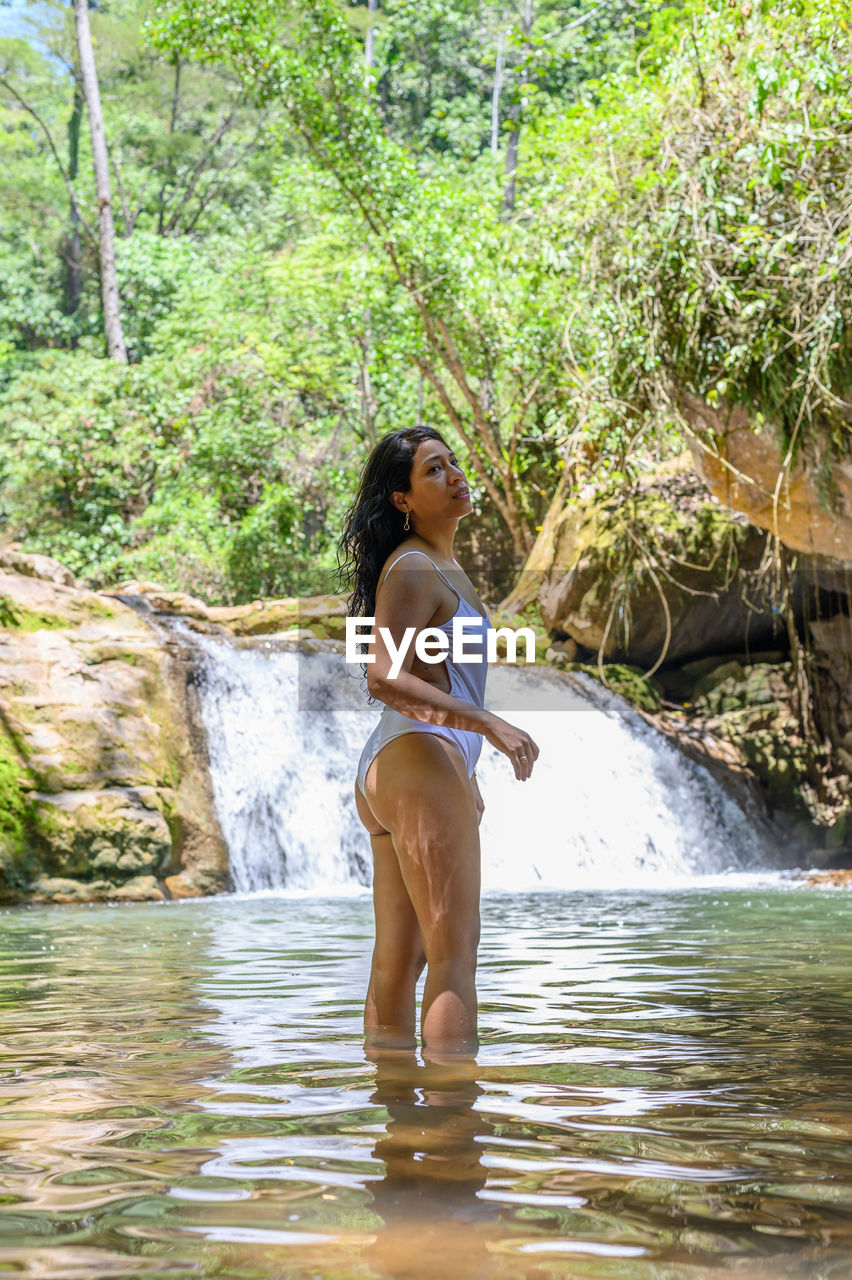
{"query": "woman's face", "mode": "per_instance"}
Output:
(438, 488)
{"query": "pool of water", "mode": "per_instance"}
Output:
(663, 1091)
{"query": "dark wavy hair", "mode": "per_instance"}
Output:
(372, 526)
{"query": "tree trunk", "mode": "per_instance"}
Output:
(372, 7)
(495, 95)
(170, 169)
(73, 285)
(515, 135)
(106, 231)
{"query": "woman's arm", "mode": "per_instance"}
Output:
(409, 597)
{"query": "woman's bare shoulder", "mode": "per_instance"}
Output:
(404, 552)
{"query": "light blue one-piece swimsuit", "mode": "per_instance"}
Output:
(467, 682)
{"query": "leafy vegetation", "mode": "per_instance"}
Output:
(542, 236)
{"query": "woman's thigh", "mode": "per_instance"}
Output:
(419, 790)
(397, 930)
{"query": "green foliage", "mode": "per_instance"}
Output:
(630, 682)
(16, 818)
(178, 468)
(151, 269)
(711, 254)
(311, 253)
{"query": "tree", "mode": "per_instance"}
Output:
(515, 135)
(106, 230)
(492, 364)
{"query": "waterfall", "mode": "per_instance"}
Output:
(611, 802)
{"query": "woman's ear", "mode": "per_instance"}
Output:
(398, 500)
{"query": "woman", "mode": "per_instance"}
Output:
(416, 791)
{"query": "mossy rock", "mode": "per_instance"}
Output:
(17, 819)
(752, 708)
(110, 834)
(102, 773)
(663, 571)
(628, 681)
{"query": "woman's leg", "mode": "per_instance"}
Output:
(419, 790)
(398, 956)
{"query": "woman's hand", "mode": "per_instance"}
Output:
(514, 743)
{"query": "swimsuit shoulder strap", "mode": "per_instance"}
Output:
(455, 590)
(415, 552)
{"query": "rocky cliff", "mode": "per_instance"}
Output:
(104, 791)
(737, 643)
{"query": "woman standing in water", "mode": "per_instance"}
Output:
(416, 791)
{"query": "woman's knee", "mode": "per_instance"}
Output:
(452, 942)
(397, 953)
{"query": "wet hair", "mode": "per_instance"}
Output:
(373, 526)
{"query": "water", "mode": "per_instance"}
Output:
(610, 800)
(663, 1091)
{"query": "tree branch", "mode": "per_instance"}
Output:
(221, 129)
(72, 194)
(468, 441)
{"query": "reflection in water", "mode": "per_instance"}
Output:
(432, 1152)
(661, 1093)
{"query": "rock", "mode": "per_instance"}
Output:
(831, 676)
(752, 708)
(839, 835)
(323, 616)
(112, 832)
(35, 566)
(567, 648)
(181, 886)
(563, 653)
(626, 680)
(59, 889)
(618, 577)
(140, 889)
(102, 774)
(742, 466)
(720, 672)
(840, 878)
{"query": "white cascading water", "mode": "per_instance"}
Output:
(610, 804)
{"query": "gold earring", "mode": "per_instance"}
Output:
(405, 526)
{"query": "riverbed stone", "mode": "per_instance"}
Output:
(140, 889)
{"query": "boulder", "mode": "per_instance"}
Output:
(808, 507)
(753, 708)
(115, 833)
(35, 566)
(666, 575)
(831, 678)
(102, 779)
